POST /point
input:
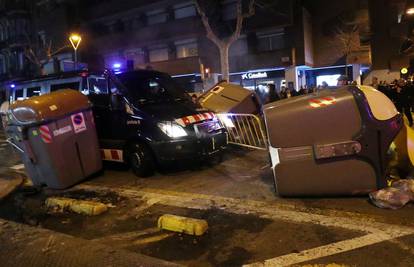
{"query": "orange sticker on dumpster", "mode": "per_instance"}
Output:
(78, 122)
(322, 102)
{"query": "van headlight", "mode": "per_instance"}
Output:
(172, 129)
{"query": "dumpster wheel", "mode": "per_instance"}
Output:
(141, 160)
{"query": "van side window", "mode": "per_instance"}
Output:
(97, 86)
(154, 87)
(113, 88)
(33, 91)
(18, 94)
(55, 87)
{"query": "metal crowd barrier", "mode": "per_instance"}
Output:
(246, 130)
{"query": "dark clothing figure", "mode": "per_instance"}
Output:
(403, 101)
(273, 96)
(262, 96)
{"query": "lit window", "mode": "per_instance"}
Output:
(271, 41)
(158, 54)
(184, 10)
(156, 16)
(187, 48)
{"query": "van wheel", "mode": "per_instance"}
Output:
(141, 160)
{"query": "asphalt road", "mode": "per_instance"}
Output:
(248, 223)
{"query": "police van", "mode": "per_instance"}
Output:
(143, 118)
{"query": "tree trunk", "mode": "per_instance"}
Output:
(224, 61)
(346, 66)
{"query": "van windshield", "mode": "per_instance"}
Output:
(152, 87)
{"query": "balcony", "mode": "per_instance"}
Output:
(261, 60)
(176, 66)
(182, 28)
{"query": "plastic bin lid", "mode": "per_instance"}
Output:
(48, 107)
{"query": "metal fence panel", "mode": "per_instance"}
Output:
(245, 130)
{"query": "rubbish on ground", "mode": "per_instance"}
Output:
(49, 244)
(181, 224)
(77, 206)
(397, 196)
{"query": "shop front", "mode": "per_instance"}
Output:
(259, 80)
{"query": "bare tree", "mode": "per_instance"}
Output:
(42, 54)
(348, 37)
(224, 44)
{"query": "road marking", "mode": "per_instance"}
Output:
(324, 251)
(152, 239)
(17, 167)
(372, 232)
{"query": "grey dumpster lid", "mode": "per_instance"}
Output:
(48, 107)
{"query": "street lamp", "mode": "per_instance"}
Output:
(409, 7)
(75, 40)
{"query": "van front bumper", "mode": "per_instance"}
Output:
(189, 149)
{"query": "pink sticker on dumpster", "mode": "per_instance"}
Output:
(78, 122)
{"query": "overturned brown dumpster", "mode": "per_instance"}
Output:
(332, 143)
(230, 98)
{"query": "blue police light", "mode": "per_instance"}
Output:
(12, 85)
(116, 65)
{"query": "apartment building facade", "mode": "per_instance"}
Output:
(169, 36)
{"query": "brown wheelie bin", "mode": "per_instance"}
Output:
(56, 136)
(230, 98)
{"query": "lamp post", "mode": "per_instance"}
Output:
(75, 40)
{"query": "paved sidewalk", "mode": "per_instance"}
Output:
(9, 183)
(23, 245)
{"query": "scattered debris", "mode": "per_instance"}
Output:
(182, 224)
(49, 244)
(397, 196)
(79, 206)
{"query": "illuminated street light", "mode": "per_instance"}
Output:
(404, 71)
(75, 40)
(410, 11)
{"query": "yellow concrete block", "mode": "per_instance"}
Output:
(88, 207)
(78, 206)
(182, 224)
(59, 202)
